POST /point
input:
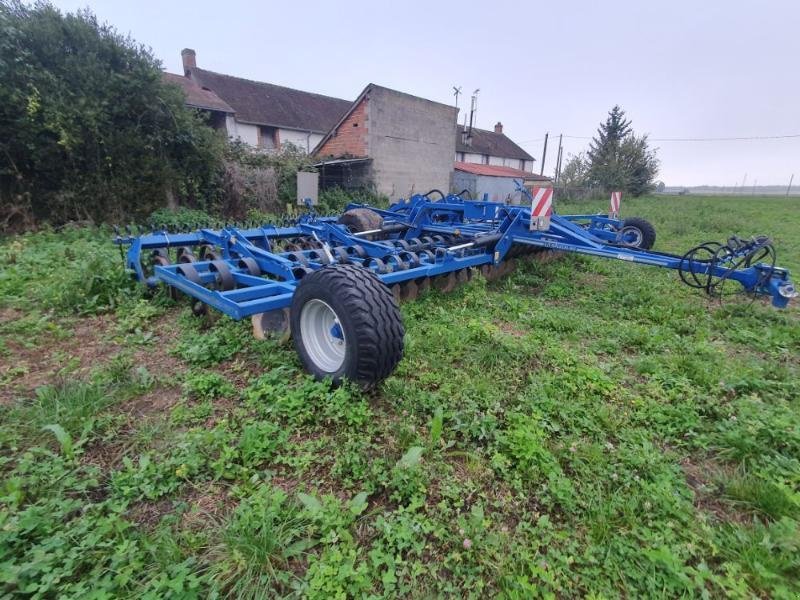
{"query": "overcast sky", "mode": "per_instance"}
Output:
(681, 69)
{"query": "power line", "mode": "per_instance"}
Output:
(697, 139)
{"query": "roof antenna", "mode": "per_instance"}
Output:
(472, 111)
(456, 93)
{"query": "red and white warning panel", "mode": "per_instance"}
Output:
(616, 200)
(541, 208)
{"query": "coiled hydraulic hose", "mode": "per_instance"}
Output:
(434, 191)
(698, 266)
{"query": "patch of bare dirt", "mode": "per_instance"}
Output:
(206, 503)
(511, 329)
(155, 402)
(10, 314)
(147, 513)
(89, 344)
(239, 372)
(105, 457)
(701, 475)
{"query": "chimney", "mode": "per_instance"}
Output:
(189, 60)
(498, 128)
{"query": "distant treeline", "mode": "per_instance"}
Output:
(726, 190)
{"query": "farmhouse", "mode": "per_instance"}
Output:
(265, 115)
(480, 146)
(386, 141)
(401, 143)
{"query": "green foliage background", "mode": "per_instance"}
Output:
(88, 130)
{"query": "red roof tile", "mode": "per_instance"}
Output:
(498, 171)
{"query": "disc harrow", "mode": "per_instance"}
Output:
(334, 282)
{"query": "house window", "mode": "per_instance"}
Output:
(267, 138)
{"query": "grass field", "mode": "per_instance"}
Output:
(581, 428)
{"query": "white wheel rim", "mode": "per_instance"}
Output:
(322, 335)
(632, 236)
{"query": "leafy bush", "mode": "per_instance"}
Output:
(88, 128)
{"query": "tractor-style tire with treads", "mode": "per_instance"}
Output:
(363, 317)
(361, 219)
(645, 233)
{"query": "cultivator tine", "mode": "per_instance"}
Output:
(424, 285)
(446, 282)
(409, 290)
(493, 272)
(396, 292)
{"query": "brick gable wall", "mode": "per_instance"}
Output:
(350, 138)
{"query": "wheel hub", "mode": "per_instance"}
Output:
(322, 335)
(631, 236)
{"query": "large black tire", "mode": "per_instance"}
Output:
(367, 315)
(645, 233)
(361, 219)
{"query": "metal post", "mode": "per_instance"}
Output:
(791, 179)
(558, 158)
(544, 153)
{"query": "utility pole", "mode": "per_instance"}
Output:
(473, 109)
(558, 158)
(791, 179)
(544, 153)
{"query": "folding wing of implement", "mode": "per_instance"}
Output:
(335, 283)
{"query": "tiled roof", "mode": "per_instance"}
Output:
(498, 171)
(197, 96)
(491, 143)
(267, 104)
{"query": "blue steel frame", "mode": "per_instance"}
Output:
(425, 239)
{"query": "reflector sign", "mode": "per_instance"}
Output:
(542, 205)
(541, 208)
(616, 199)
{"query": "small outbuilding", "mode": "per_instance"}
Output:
(495, 182)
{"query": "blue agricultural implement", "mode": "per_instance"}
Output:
(335, 283)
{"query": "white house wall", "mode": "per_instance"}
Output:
(248, 133)
(479, 159)
(243, 131)
(470, 157)
(302, 139)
